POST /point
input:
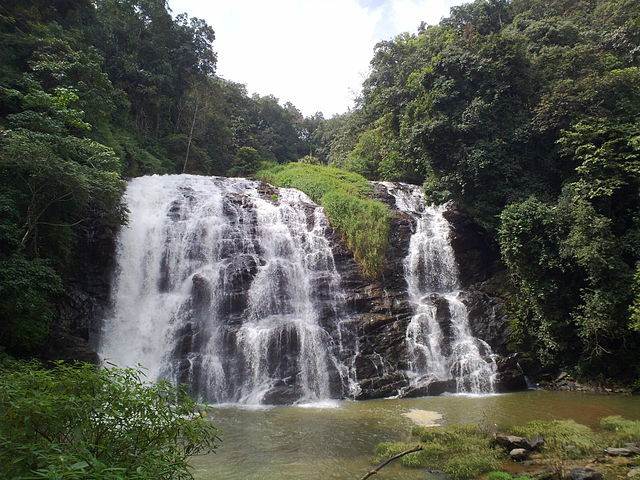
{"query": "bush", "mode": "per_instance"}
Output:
(79, 422)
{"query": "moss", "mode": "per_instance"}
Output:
(362, 223)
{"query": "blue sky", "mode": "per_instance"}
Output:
(313, 53)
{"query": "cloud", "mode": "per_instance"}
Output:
(313, 53)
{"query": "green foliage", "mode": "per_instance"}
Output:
(362, 223)
(461, 451)
(78, 422)
(28, 289)
(247, 162)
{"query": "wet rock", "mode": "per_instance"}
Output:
(510, 381)
(385, 386)
(621, 452)
(519, 454)
(511, 442)
(585, 474)
(437, 387)
(282, 394)
(63, 346)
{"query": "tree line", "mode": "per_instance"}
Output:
(92, 92)
(527, 114)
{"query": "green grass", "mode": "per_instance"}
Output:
(564, 438)
(362, 223)
(619, 430)
(460, 451)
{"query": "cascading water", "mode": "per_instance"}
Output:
(229, 289)
(439, 341)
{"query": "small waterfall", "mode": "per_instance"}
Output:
(439, 341)
(228, 288)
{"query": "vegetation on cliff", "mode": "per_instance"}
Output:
(362, 223)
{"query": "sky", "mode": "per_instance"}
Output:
(312, 53)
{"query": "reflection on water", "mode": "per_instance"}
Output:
(336, 440)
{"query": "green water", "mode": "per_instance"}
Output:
(296, 443)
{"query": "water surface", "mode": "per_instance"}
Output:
(335, 440)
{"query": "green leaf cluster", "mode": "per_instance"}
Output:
(75, 422)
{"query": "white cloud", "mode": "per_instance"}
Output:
(313, 53)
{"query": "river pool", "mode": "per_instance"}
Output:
(335, 440)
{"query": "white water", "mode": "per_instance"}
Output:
(225, 288)
(439, 340)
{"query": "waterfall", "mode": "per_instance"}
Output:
(230, 287)
(439, 341)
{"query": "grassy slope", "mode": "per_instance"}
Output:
(362, 223)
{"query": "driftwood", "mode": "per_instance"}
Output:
(389, 460)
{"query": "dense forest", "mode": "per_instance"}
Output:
(525, 113)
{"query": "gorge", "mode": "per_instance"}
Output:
(244, 292)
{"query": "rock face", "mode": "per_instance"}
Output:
(86, 296)
(378, 311)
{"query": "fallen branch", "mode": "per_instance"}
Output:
(391, 459)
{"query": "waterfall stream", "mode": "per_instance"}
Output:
(231, 290)
(230, 286)
(439, 341)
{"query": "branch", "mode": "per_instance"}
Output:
(389, 460)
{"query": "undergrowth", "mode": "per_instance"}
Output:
(466, 451)
(460, 451)
(564, 438)
(362, 223)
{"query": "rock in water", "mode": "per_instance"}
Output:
(519, 454)
(585, 474)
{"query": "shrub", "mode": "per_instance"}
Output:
(79, 422)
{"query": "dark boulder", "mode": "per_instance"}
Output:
(519, 454)
(437, 387)
(583, 473)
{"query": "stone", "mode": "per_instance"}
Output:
(634, 473)
(621, 452)
(437, 387)
(510, 381)
(282, 395)
(536, 442)
(583, 473)
(519, 454)
(510, 442)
